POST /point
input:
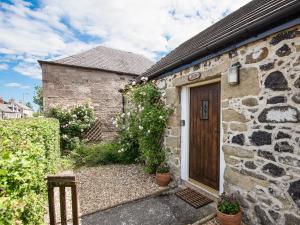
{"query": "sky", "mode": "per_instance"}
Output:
(32, 30)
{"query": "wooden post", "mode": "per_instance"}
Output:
(63, 208)
(62, 181)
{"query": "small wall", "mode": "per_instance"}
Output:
(261, 124)
(67, 86)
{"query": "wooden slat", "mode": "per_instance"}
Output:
(63, 208)
(95, 132)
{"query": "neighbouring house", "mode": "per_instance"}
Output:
(14, 110)
(235, 89)
(96, 76)
(25, 111)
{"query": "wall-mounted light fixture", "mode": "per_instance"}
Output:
(234, 74)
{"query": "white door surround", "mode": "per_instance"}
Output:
(185, 114)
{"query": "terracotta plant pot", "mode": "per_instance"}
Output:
(163, 179)
(226, 219)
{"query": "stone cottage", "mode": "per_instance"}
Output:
(235, 89)
(96, 76)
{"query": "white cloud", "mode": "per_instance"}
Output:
(58, 27)
(3, 66)
(17, 85)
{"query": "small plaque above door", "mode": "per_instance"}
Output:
(204, 110)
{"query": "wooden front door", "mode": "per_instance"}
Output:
(204, 148)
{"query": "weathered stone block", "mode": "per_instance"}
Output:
(277, 99)
(253, 174)
(171, 96)
(225, 104)
(279, 114)
(297, 83)
(291, 219)
(283, 146)
(250, 165)
(174, 121)
(273, 170)
(269, 127)
(249, 84)
(285, 35)
(275, 215)
(237, 151)
(172, 142)
(276, 81)
(285, 50)
(266, 67)
(238, 139)
(281, 135)
(250, 102)
(296, 98)
(230, 115)
(231, 160)
(260, 138)
(161, 84)
(266, 155)
(294, 191)
(262, 215)
(238, 127)
(243, 181)
(257, 56)
(288, 160)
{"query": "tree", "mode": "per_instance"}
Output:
(28, 104)
(38, 97)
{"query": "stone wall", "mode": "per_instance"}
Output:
(68, 86)
(261, 124)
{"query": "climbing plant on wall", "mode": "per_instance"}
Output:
(143, 123)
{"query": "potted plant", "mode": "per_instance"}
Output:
(163, 176)
(229, 210)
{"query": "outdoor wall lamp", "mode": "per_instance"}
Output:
(234, 74)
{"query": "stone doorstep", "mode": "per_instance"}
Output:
(202, 189)
(210, 221)
(205, 219)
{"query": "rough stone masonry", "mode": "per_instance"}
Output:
(67, 86)
(261, 125)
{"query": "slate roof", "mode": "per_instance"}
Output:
(245, 22)
(5, 108)
(107, 59)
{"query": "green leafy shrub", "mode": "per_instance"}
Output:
(73, 125)
(105, 153)
(228, 204)
(29, 149)
(144, 124)
(163, 169)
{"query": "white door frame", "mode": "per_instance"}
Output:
(185, 130)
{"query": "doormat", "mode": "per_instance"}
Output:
(193, 198)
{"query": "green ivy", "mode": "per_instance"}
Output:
(29, 149)
(143, 125)
(73, 124)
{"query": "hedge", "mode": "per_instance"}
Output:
(29, 149)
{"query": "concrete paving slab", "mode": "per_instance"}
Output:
(165, 209)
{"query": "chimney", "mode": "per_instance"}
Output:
(11, 101)
(1, 100)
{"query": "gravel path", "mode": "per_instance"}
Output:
(106, 186)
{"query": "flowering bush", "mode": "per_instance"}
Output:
(73, 124)
(228, 204)
(143, 125)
